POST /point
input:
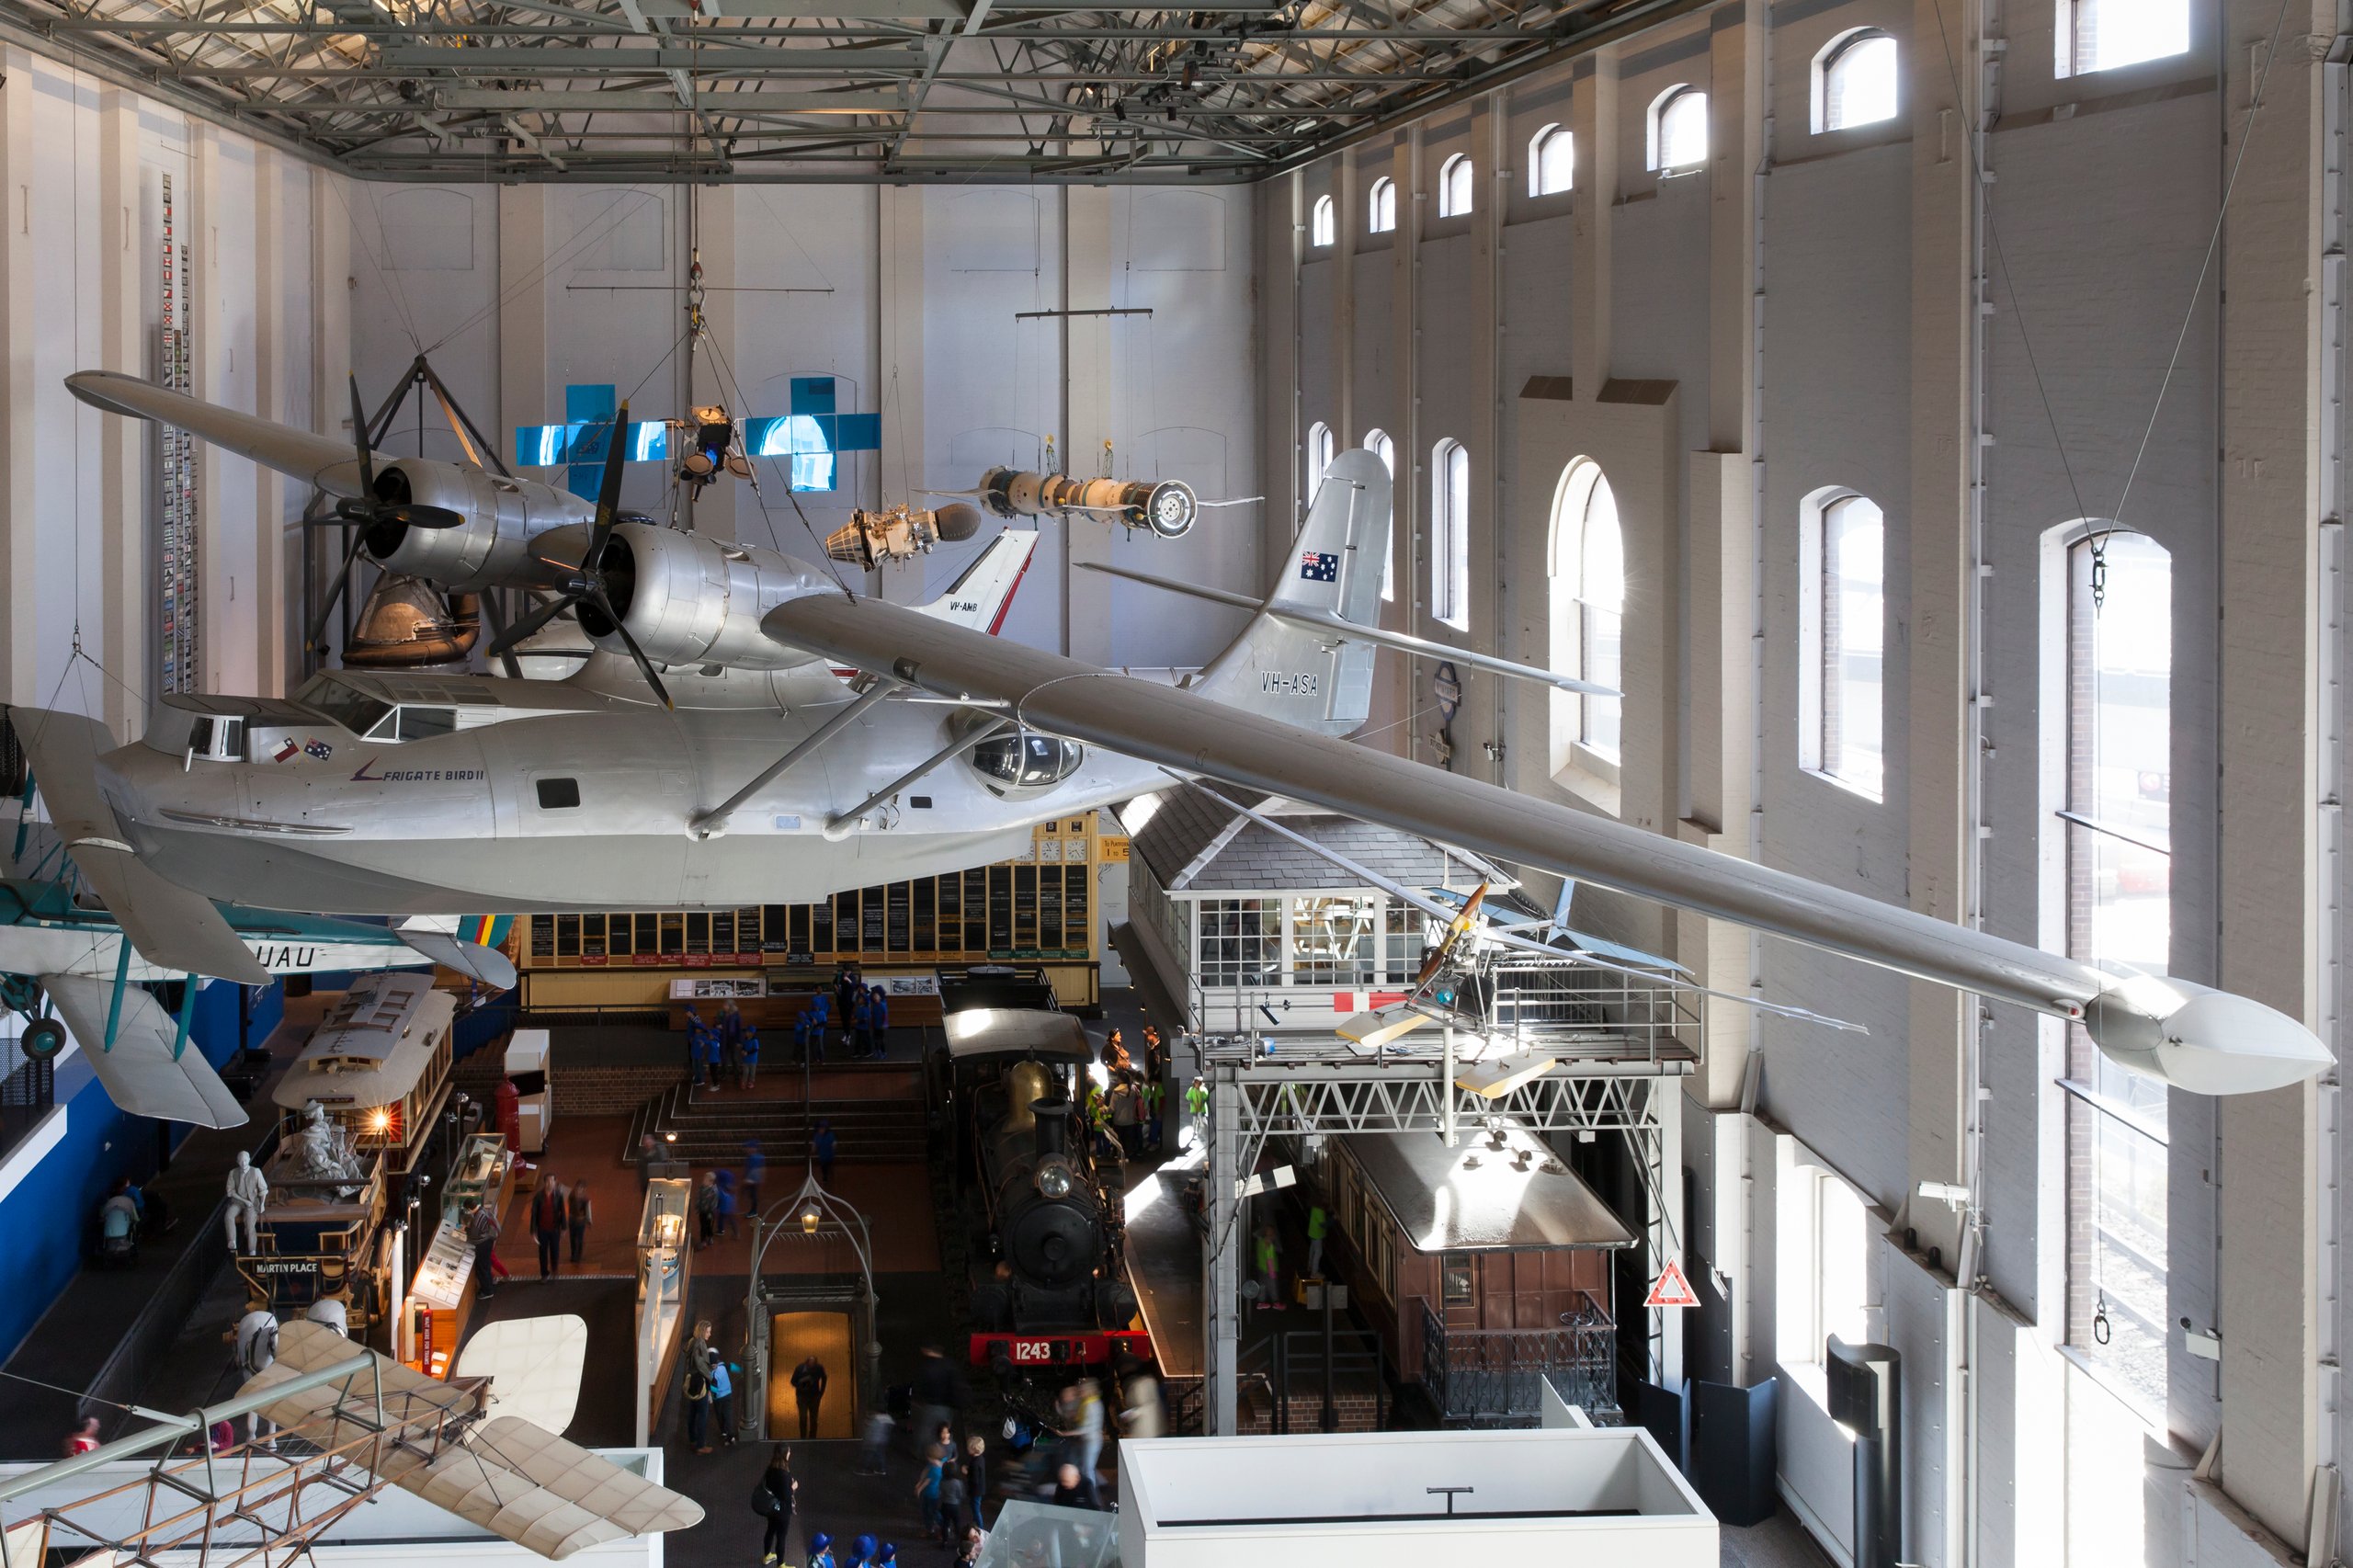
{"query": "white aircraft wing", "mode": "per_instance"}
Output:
(140, 1074)
(551, 1496)
(2210, 1042)
(488, 965)
(172, 927)
(314, 459)
(517, 1481)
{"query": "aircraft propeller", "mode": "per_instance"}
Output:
(369, 511)
(602, 568)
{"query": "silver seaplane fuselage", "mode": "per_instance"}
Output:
(518, 796)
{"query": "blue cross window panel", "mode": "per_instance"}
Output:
(813, 435)
(807, 439)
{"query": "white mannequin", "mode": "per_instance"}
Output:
(332, 1314)
(256, 1348)
(248, 1190)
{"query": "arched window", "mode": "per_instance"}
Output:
(1378, 443)
(1324, 226)
(1454, 179)
(1589, 601)
(2116, 644)
(1321, 448)
(2100, 35)
(1451, 534)
(1678, 130)
(1843, 618)
(1380, 211)
(1854, 81)
(1552, 160)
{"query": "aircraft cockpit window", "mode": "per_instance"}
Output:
(220, 740)
(1028, 761)
(340, 704)
(559, 794)
(424, 723)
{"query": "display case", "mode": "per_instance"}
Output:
(664, 1268)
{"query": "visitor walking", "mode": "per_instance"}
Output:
(877, 1023)
(547, 1225)
(482, 1230)
(577, 1217)
(707, 1210)
(729, 1222)
(822, 1147)
(701, 1357)
(750, 1075)
(755, 1170)
(976, 1479)
(809, 1381)
(772, 1500)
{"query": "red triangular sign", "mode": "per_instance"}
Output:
(1670, 1289)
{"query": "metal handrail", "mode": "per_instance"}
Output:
(1497, 1372)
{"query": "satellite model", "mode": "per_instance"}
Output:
(349, 1423)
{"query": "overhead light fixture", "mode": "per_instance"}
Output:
(809, 1220)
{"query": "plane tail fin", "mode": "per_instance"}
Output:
(1306, 675)
(979, 597)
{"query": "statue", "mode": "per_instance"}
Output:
(248, 1192)
(320, 1151)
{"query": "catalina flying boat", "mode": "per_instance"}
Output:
(774, 780)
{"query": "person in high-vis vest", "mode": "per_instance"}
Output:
(1319, 1224)
(1268, 1256)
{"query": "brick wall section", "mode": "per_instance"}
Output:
(579, 1091)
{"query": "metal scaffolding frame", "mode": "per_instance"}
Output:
(669, 91)
(1261, 1087)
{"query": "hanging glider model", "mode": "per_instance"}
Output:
(351, 1422)
(777, 780)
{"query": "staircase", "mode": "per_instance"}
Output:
(886, 1124)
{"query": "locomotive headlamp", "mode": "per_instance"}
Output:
(1054, 1181)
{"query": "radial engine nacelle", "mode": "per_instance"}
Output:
(1168, 508)
(687, 598)
(495, 547)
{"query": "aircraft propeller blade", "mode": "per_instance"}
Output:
(533, 622)
(644, 666)
(335, 591)
(498, 635)
(359, 439)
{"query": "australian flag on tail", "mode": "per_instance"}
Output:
(1320, 566)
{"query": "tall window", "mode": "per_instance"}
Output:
(1552, 160)
(1854, 81)
(1844, 615)
(2100, 35)
(1823, 1268)
(1320, 452)
(1324, 225)
(1454, 179)
(2118, 820)
(1590, 600)
(1451, 534)
(1381, 210)
(1678, 130)
(1378, 443)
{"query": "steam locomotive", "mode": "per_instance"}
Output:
(1052, 1286)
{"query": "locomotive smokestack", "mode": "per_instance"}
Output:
(1053, 1126)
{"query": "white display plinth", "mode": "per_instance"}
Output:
(1597, 1498)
